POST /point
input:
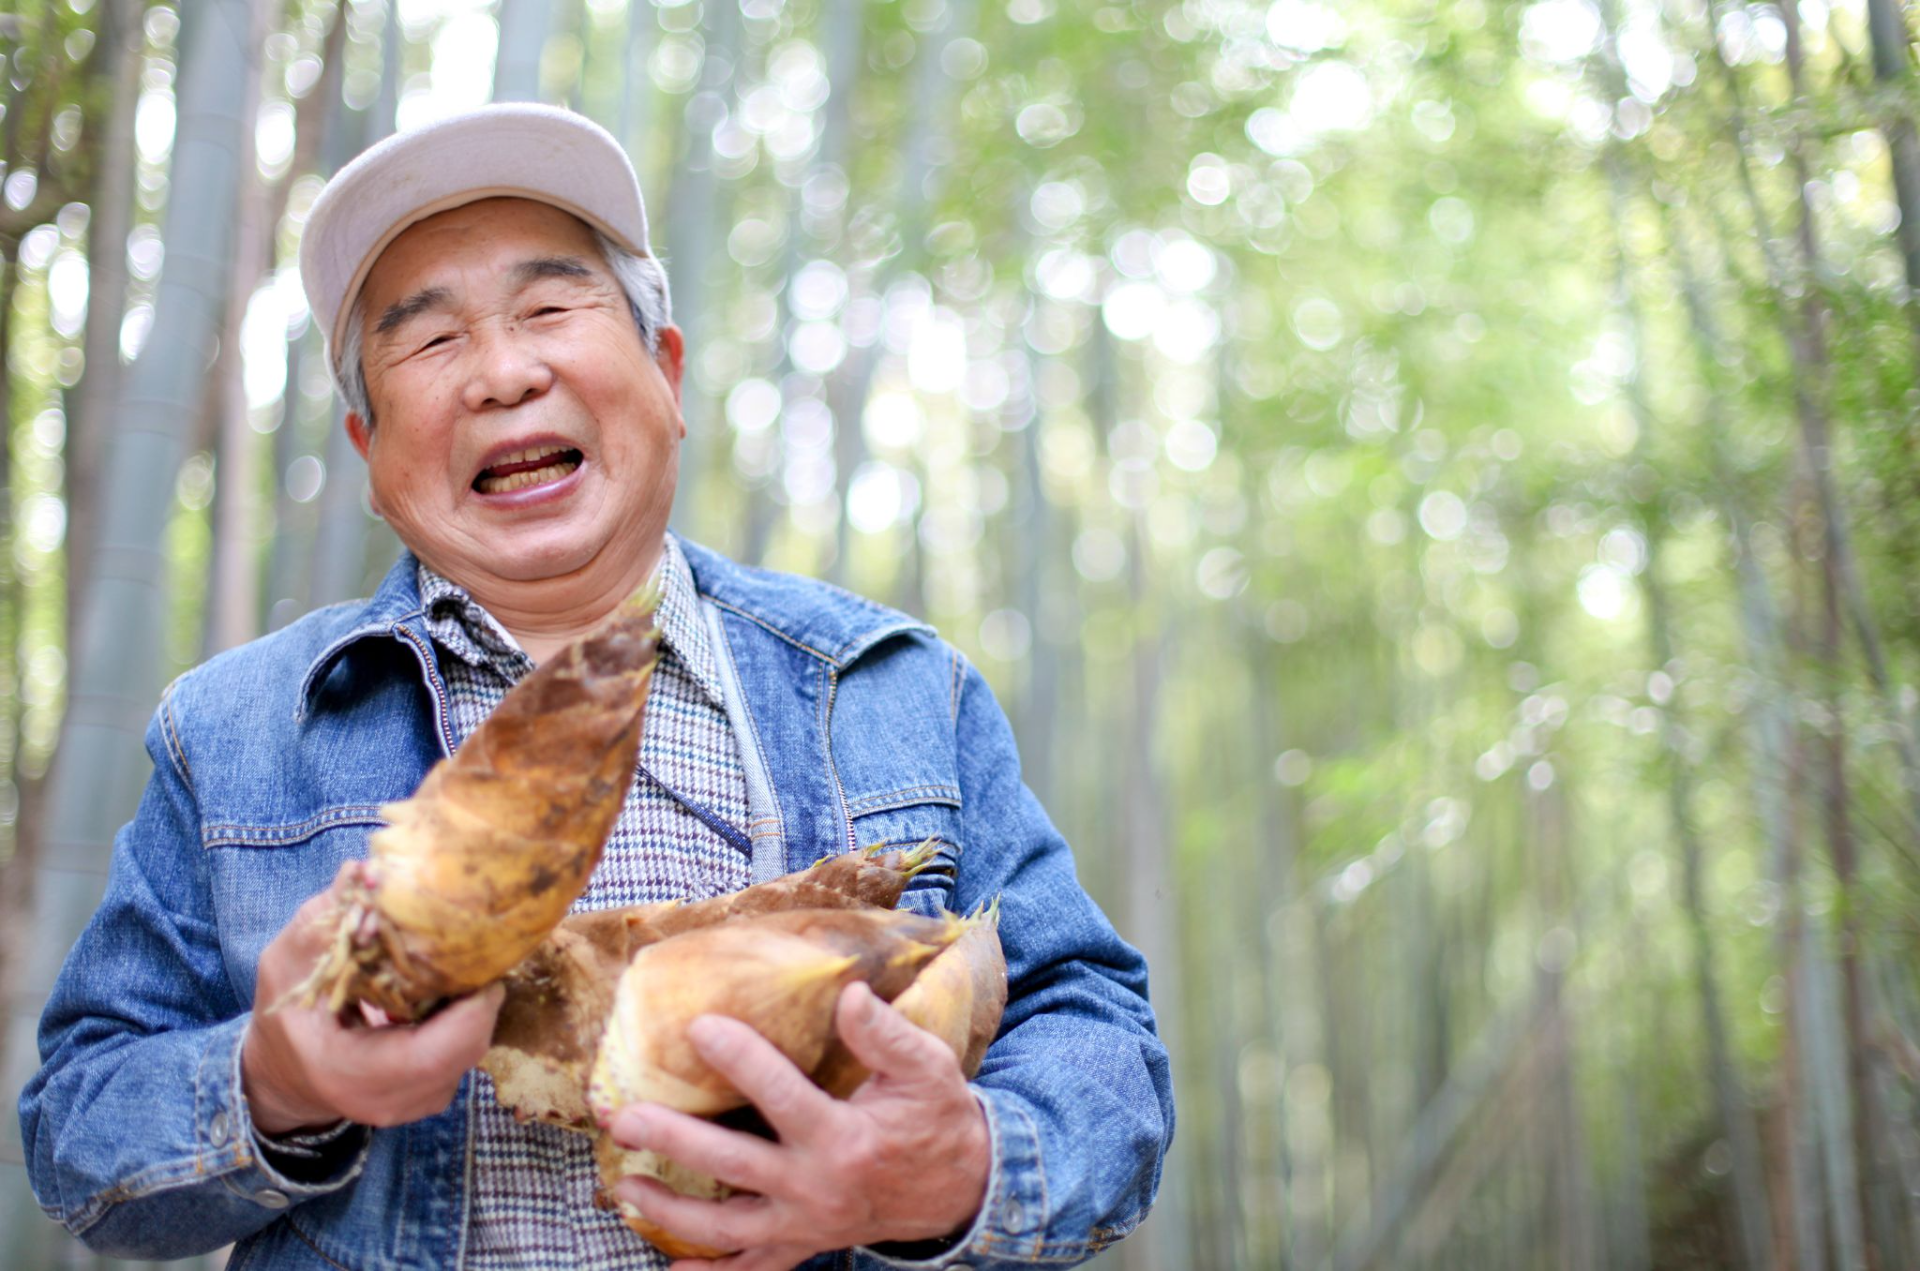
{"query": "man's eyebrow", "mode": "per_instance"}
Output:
(413, 306)
(551, 267)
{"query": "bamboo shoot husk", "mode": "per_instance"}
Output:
(558, 999)
(959, 997)
(472, 872)
(780, 973)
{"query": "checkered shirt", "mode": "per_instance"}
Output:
(533, 1184)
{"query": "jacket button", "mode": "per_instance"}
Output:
(270, 1198)
(217, 1129)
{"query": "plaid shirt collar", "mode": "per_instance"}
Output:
(463, 627)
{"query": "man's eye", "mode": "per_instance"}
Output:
(544, 310)
(436, 340)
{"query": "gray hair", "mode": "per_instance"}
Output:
(641, 279)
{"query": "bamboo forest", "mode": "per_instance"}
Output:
(1435, 485)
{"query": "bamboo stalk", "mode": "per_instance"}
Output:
(340, 543)
(109, 219)
(524, 28)
(1751, 1217)
(100, 766)
(233, 593)
(696, 206)
(1892, 68)
(1770, 732)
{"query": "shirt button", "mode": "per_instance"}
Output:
(217, 1128)
(270, 1198)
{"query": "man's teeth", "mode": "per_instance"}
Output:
(534, 452)
(521, 480)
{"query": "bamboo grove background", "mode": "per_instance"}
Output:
(1435, 483)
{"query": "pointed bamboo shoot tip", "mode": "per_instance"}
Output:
(920, 857)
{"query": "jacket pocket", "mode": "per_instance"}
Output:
(260, 874)
(902, 821)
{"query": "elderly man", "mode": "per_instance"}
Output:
(501, 335)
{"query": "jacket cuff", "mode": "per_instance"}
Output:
(273, 1175)
(1011, 1224)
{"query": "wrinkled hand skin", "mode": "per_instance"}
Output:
(300, 1067)
(905, 1158)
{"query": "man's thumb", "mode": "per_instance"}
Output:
(883, 1039)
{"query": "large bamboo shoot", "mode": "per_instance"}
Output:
(473, 871)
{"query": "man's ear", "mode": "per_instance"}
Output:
(672, 358)
(360, 433)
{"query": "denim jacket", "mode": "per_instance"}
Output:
(270, 762)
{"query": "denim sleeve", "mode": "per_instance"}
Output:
(137, 1133)
(1077, 1088)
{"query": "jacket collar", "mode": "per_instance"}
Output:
(395, 601)
(833, 625)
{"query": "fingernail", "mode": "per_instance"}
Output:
(630, 1126)
(709, 1035)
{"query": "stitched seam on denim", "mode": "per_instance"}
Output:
(771, 629)
(849, 652)
(906, 796)
(1101, 1237)
(199, 1084)
(240, 835)
(1066, 1254)
(175, 751)
(155, 1178)
(953, 690)
(1040, 1172)
(308, 1241)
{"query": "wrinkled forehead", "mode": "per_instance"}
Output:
(483, 241)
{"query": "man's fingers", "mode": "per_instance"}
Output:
(738, 1222)
(747, 1163)
(459, 1035)
(311, 929)
(792, 1105)
(886, 1041)
(306, 934)
(449, 1043)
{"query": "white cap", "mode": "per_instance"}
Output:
(510, 149)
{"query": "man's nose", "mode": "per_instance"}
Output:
(507, 370)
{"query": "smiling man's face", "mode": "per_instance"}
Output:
(521, 428)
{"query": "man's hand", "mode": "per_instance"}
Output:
(906, 1158)
(301, 1067)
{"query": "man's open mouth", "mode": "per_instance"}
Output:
(523, 468)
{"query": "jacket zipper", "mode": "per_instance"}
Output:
(833, 769)
(435, 691)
